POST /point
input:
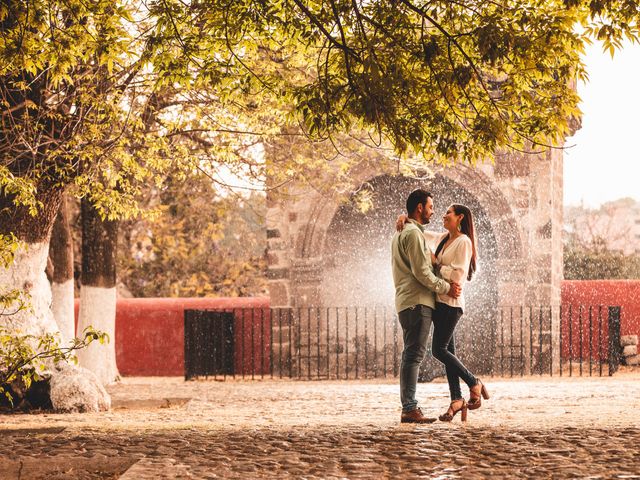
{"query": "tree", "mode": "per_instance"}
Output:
(65, 68)
(599, 242)
(199, 244)
(608, 227)
(595, 263)
(62, 283)
(79, 82)
(98, 291)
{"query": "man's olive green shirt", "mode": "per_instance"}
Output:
(413, 274)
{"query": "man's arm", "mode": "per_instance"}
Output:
(420, 263)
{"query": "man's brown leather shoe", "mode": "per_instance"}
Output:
(415, 416)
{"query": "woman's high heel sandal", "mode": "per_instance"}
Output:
(476, 396)
(455, 407)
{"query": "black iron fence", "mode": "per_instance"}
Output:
(366, 342)
(564, 340)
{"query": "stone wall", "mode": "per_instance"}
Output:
(520, 196)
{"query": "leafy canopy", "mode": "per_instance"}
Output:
(452, 80)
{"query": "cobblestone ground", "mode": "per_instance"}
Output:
(166, 428)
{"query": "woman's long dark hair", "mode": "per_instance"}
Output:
(467, 227)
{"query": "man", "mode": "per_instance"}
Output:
(415, 284)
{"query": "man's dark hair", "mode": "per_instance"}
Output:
(417, 197)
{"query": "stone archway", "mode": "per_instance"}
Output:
(356, 258)
(519, 200)
(523, 200)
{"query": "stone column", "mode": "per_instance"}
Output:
(532, 183)
(545, 237)
(278, 276)
(295, 237)
(557, 251)
(278, 252)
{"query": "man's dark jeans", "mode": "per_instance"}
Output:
(445, 319)
(415, 322)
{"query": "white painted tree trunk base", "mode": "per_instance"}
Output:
(26, 273)
(63, 309)
(98, 309)
(72, 388)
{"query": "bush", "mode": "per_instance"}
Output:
(599, 264)
(25, 358)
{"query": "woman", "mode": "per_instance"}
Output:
(455, 259)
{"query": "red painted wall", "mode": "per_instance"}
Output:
(254, 326)
(625, 293)
(583, 303)
(150, 333)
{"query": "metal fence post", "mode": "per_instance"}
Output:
(614, 340)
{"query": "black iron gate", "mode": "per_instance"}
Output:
(208, 343)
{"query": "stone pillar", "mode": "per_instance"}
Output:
(532, 183)
(279, 246)
(294, 237)
(278, 252)
(545, 247)
(557, 251)
(546, 226)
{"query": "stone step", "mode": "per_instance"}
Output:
(626, 340)
(632, 360)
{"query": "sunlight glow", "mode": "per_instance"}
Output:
(602, 161)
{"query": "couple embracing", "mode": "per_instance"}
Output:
(429, 289)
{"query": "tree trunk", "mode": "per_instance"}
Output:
(72, 388)
(27, 272)
(98, 291)
(61, 255)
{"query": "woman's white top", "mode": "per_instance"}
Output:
(454, 263)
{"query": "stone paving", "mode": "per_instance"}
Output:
(535, 427)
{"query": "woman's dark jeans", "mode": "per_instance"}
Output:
(445, 319)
